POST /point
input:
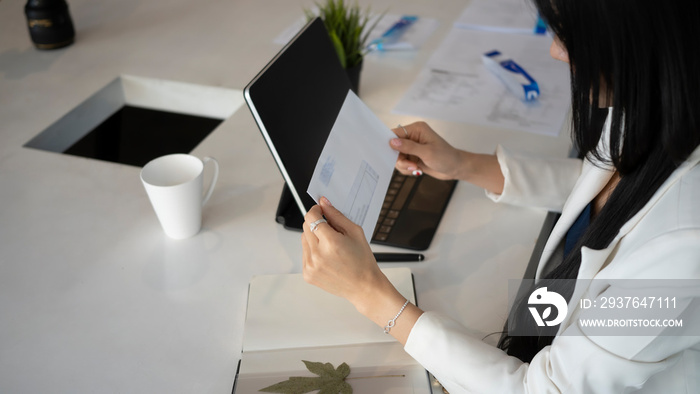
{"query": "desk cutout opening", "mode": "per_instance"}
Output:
(133, 120)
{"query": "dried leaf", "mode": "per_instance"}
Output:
(320, 369)
(330, 380)
(337, 388)
(343, 370)
(294, 385)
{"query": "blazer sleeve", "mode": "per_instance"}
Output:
(572, 364)
(575, 362)
(536, 182)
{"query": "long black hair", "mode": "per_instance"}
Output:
(641, 58)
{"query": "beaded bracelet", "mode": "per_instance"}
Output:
(392, 322)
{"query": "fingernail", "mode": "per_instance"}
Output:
(417, 172)
(325, 201)
(395, 142)
(412, 168)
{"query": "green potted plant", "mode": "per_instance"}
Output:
(348, 30)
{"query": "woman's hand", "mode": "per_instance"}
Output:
(422, 149)
(337, 258)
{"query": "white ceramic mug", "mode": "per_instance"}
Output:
(174, 184)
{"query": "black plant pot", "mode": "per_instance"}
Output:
(354, 75)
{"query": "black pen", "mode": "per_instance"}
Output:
(396, 257)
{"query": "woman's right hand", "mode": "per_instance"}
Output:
(422, 150)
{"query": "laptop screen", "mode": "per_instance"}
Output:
(295, 100)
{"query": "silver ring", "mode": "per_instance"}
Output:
(315, 224)
(404, 130)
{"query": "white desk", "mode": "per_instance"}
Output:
(95, 298)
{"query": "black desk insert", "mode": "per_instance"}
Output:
(135, 135)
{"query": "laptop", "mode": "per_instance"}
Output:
(295, 100)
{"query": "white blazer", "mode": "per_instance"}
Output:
(661, 241)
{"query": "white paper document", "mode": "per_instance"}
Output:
(506, 16)
(456, 86)
(356, 165)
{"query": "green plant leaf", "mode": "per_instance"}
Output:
(339, 48)
(330, 380)
(346, 25)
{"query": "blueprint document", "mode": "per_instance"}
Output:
(456, 86)
(356, 165)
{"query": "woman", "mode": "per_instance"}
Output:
(630, 210)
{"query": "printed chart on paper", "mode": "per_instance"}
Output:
(361, 193)
(356, 164)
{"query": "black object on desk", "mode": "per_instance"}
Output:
(50, 24)
(295, 101)
(398, 257)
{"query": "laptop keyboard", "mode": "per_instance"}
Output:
(399, 190)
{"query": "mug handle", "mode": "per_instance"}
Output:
(213, 180)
